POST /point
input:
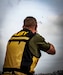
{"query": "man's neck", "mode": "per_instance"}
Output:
(31, 29)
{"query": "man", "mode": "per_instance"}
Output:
(23, 49)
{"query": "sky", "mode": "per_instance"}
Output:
(49, 15)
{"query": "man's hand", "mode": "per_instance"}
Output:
(51, 50)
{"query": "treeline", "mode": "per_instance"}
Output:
(59, 72)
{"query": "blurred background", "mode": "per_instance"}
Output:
(49, 15)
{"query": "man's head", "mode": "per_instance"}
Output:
(30, 23)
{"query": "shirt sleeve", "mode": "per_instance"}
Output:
(38, 43)
(41, 43)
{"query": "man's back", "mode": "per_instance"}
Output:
(23, 49)
(18, 56)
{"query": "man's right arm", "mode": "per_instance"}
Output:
(45, 46)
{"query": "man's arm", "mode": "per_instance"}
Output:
(45, 46)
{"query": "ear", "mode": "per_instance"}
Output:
(23, 26)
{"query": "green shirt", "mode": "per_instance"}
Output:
(38, 43)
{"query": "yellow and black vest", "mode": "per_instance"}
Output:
(18, 55)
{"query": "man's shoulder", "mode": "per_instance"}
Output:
(17, 33)
(38, 37)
